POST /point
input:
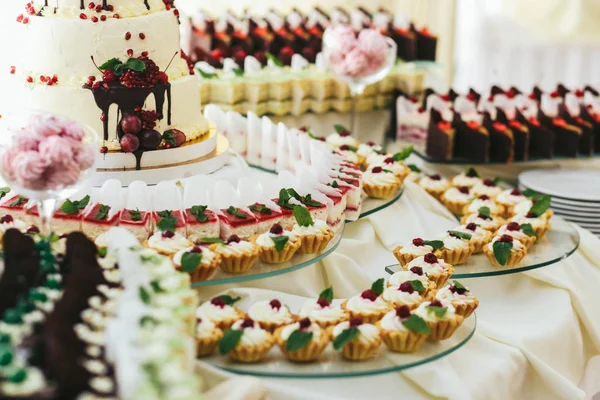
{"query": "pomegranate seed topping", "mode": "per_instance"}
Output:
(377, 170)
(91, 6)
(103, 18)
(13, 69)
(454, 289)
(436, 303)
(42, 78)
(144, 54)
(91, 78)
(406, 287)
(418, 242)
(417, 270)
(505, 238)
(304, 323)
(276, 229)
(344, 134)
(99, 8)
(29, 79)
(430, 258)
(403, 312)
(247, 323)
(127, 35)
(176, 12)
(463, 189)
(94, 19)
(110, 8)
(356, 322)
(513, 226)
(323, 302)
(168, 234)
(25, 20)
(103, 149)
(371, 143)
(142, 36)
(435, 177)
(472, 226)
(6, 219)
(129, 52)
(116, 16)
(20, 18)
(344, 147)
(275, 304)
(196, 249)
(369, 295)
(103, 117)
(217, 301)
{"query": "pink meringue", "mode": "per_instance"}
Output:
(344, 38)
(84, 155)
(56, 149)
(45, 125)
(355, 63)
(28, 167)
(62, 176)
(73, 130)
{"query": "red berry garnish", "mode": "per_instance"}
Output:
(515, 192)
(377, 170)
(94, 19)
(247, 323)
(531, 215)
(323, 302)
(13, 69)
(99, 8)
(436, 303)
(82, 16)
(344, 147)
(6, 219)
(389, 160)
(233, 239)
(472, 226)
(110, 8)
(109, 76)
(116, 16)
(484, 197)
(506, 238)
(304, 323)
(217, 54)
(131, 124)
(513, 226)
(473, 124)
(418, 242)
(196, 249)
(369, 295)
(344, 133)
(463, 189)
(163, 77)
(168, 234)
(91, 6)
(103, 149)
(29, 79)
(454, 289)
(555, 94)
(129, 143)
(356, 322)
(430, 258)
(489, 182)
(276, 229)
(127, 35)
(435, 177)
(142, 36)
(371, 143)
(403, 312)
(443, 125)
(33, 229)
(406, 287)
(417, 270)
(217, 301)
(287, 50)
(275, 304)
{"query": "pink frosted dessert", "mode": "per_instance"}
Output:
(356, 56)
(47, 154)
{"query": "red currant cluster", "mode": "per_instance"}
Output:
(146, 78)
(149, 119)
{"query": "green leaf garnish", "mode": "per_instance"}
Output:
(261, 208)
(298, 339)
(152, 259)
(532, 194)
(18, 376)
(236, 212)
(167, 224)
(135, 65)
(230, 339)
(102, 212)
(414, 168)
(110, 64)
(438, 311)
(168, 137)
(144, 295)
(502, 251)
(198, 213)
(18, 201)
(4, 191)
(102, 251)
(378, 286)
(136, 215)
(528, 230)
(461, 235)
(485, 211)
(403, 154)
(206, 75)
(302, 216)
(541, 205)
(279, 242)
(148, 320)
(472, 172)
(340, 128)
(238, 71)
(228, 300)
(274, 59)
(165, 214)
(417, 285)
(211, 240)
(6, 356)
(435, 244)
(156, 287)
(190, 261)
(327, 294)
(459, 286)
(309, 202)
(73, 207)
(416, 324)
(335, 185)
(344, 338)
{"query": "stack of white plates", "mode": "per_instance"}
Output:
(575, 193)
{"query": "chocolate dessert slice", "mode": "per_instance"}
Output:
(520, 134)
(541, 139)
(472, 140)
(502, 142)
(440, 138)
(567, 136)
(592, 90)
(426, 44)
(474, 96)
(406, 42)
(586, 143)
(593, 119)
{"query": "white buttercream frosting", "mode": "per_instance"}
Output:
(316, 330)
(314, 311)
(263, 311)
(398, 278)
(506, 197)
(254, 336)
(482, 188)
(517, 246)
(447, 295)
(335, 140)
(482, 222)
(207, 256)
(391, 322)
(215, 313)
(382, 178)
(456, 195)
(428, 315)
(205, 328)
(516, 234)
(361, 305)
(435, 268)
(366, 150)
(233, 248)
(14, 224)
(439, 185)
(477, 234)
(536, 222)
(464, 180)
(416, 250)
(367, 333)
(476, 204)
(168, 245)
(266, 239)
(454, 243)
(318, 227)
(396, 296)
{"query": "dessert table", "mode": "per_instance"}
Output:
(537, 330)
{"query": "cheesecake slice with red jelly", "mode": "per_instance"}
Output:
(201, 223)
(16, 206)
(98, 219)
(137, 222)
(266, 217)
(239, 222)
(69, 217)
(169, 220)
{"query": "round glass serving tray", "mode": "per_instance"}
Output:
(332, 365)
(559, 243)
(262, 270)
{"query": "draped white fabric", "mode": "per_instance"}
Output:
(536, 330)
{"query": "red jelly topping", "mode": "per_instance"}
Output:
(436, 303)
(489, 182)
(304, 323)
(356, 322)
(377, 170)
(344, 134)
(473, 124)
(484, 197)
(513, 226)
(196, 249)
(472, 226)
(276, 229)
(275, 304)
(444, 125)
(463, 189)
(6, 219)
(168, 234)
(515, 192)
(559, 122)
(406, 287)
(417, 270)
(505, 238)
(233, 239)
(430, 258)
(369, 294)
(323, 302)
(217, 301)
(247, 323)
(403, 312)
(418, 242)
(531, 215)
(499, 126)
(389, 160)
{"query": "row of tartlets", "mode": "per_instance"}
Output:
(503, 224)
(402, 314)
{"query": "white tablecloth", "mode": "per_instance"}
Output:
(536, 332)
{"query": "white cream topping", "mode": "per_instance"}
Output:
(33, 383)
(439, 185)
(382, 178)
(455, 194)
(446, 295)
(428, 315)
(483, 222)
(262, 311)
(359, 304)
(397, 296)
(476, 204)
(464, 180)
(318, 227)
(252, 336)
(102, 240)
(516, 234)
(335, 140)
(523, 207)
(416, 250)
(216, 313)
(14, 224)
(377, 159)
(365, 150)
(517, 246)
(207, 256)
(477, 234)
(367, 333)
(454, 243)
(436, 268)
(406, 276)
(506, 197)
(491, 191)
(168, 245)
(314, 311)
(314, 328)
(205, 328)
(350, 156)
(391, 322)
(266, 239)
(536, 222)
(233, 248)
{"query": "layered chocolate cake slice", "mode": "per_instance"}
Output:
(568, 137)
(406, 42)
(440, 137)
(472, 140)
(541, 139)
(502, 142)
(586, 141)
(426, 43)
(521, 135)
(594, 119)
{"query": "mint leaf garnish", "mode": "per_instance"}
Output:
(190, 261)
(211, 240)
(334, 184)
(416, 324)
(230, 339)
(461, 235)
(532, 194)
(102, 212)
(541, 205)
(18, 201)
(236, 212)
(528, 230)
(327, 294)
(502, 251)
(261, 209)
(72, 207)
(414, 168)
(417, 285)
(472, 172)
(438, 311)
(206, 75)
(309, 202)
(198, 213)
(144, 295)
(136, 215)
(485, 211)
(238, 71)
(110, 64)
(459, 286)
(4, 191)
(298, 339)
(279, 242)
(339, 128)
(228, 300)
(435, 244)
(135, 65)
(274, 59)
(302, 216)
(403, 154)
(102, 251)
(378, 286)
(344, 338)
(167, 224)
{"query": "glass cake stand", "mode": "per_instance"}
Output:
(332, 365)
(559, 243)
(262, 270)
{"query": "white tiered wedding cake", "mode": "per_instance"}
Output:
(114, 65)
